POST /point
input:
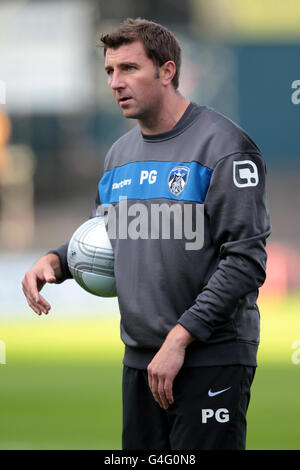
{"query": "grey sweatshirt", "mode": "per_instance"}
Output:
(203, 269)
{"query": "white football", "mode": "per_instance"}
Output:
(91, 258)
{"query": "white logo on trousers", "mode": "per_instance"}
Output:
(221, 415)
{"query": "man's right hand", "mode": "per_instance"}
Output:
(46, 269)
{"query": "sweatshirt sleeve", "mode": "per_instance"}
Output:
(62, 250)
(239, 224)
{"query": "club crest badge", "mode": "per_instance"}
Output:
(177, 179)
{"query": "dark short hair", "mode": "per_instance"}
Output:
(160, 44)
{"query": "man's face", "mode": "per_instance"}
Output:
(134, 80)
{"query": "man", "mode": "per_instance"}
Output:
(189, 318)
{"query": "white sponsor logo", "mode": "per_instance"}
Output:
(121, 184)
(213, 394)
(245, 174)
(221, 415)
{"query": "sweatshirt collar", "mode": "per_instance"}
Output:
(191, 112)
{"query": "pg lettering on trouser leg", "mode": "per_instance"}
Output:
(221, 415)
(208, 413)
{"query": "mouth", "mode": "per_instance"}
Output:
(124, 100)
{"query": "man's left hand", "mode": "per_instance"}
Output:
(166, 364)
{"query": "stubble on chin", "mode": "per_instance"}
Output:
(133, 113)
(145, 114)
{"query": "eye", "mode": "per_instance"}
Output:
(109, 72)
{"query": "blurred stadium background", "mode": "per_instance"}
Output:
(60, 375)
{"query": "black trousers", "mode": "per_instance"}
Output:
(209, 410)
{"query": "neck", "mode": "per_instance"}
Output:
(166, 115)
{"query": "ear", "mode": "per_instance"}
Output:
(167, 72)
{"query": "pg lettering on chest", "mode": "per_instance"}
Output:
(148, 176)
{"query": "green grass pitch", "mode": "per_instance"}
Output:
(61, 385)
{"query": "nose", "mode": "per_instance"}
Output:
(116, 81)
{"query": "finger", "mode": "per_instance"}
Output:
(153, 387)
(42, 302)
(150, 380)
(49, 275)
(38, 302)
(28, 295)
(40, 305)
(34, 307)
(30, 287)
(31, 290)
(169, 391)
(162, 395)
